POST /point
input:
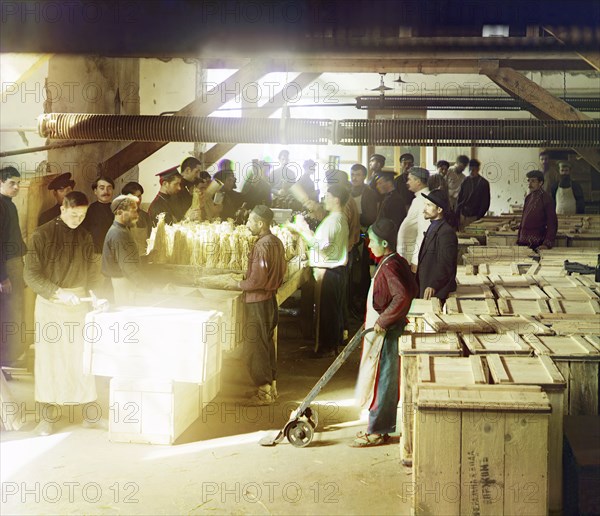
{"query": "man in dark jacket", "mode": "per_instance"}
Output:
(61, 185)
(392, 206)
(436, 273)
(538, 223)
(473, 197)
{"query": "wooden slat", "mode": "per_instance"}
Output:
(477, 369)
(425, 369)
(551, 369)
(522, 324)
(522, 306)
(499, 373)
(583, 388)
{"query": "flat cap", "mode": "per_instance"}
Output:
(120, 199)
(422, 174)
(377, 157)
(61, 181)
(263, 212)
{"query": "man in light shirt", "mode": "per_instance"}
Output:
(414, 226)
(328, 255)
(455, 177)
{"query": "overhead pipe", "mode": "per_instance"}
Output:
(483, 132)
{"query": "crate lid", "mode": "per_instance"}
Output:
(568, 347)
(525, 371)
(457, 322)
(520, 292)
(510, 343)
(522, 324)
(445, 343)
(489, 398)
(451, 370)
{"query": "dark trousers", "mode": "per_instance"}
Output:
(12, 341)
(331, 320)
(259, 341)
(382, 413)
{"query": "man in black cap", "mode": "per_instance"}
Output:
(436, 273)
(170, 185)
(232, 199)
(99, 216)
(473, 197)
(266, 270)
(120, 254)
(190, 173)
(391, 207)
(539, 222)
(376, 164)
(61, 185)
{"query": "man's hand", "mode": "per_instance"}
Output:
(67, 298)
(428, 293)
(378, 329)
(413, 268)
(6, 287)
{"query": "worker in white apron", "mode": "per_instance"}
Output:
(567, 194)
(393, 288)
(61, 268)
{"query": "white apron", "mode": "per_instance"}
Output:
(565, 201)
(59, 376)
(369, 361)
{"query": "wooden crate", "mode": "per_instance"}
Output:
(501, 343)
(570, 293)
(151, 342)
(522, 280)
(505, 238)
(481, 450)
(530, 307)
(442, 370)
(410, 348)
(471, 306)
(472, 279)
(578, 359)
(464, 323)
(571, 324)
(558, 281)
(521, 324)
(151, 411)
(529, 292)
(567, 306)
(422, 306)
(510, 370)
(472, 292)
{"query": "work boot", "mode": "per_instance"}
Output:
(263, 396)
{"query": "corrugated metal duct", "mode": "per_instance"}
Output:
(482, 132)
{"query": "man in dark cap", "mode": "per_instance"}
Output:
(99, 216)
(12, 287)
(232, 199)
(391, 207)
(413, 227)
(266, 270)
(170, 185)
(539, 222)
(473, 197)
(436, 273)
(376, 164)
(120, 254)
(61, 185)
(190, 172)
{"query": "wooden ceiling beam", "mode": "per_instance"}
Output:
(274, 103)
(542, 104)
(134, 153)
(591, 57)
(384, 64)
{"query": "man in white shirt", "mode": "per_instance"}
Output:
(328, 255)
(455, 177)
(414, 226)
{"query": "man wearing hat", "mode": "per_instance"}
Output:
(170, 186)
(190, 173)
(473, 197)
(120, 254)
(99, 216)
(539, 222)
(413, 227)
(436, 272)
(391, 207)
(266, 270)
(61, 185)
(232, 199)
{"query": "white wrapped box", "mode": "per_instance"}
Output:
(151, 411)
(159, 343)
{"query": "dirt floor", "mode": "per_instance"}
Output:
(216, 466)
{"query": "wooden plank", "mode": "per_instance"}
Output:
(555, 450)
(552, 370)
(472, 292)
(471, 306)
(425, 369)
(526, 464)
(583, 388)
(407, 395)
(521, 324)
(482, 461)
(565, 372)
(497, 368)
(500, 343)
(433, 474)
(477, 370)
